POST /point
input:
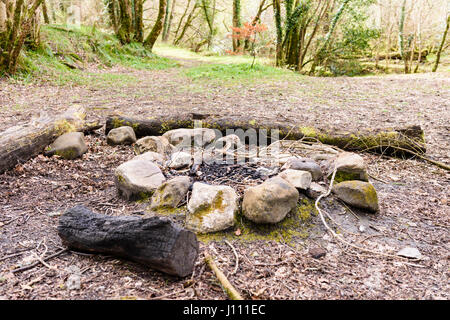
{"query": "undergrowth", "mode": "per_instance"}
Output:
(83, 55)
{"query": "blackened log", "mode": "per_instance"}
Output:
(155, 242)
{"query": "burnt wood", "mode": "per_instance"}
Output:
(155, 242)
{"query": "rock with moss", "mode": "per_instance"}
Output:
(270, 201)
(121, 136)
(305, 164)
(138, 179)
(298, 178)
(358, 194)
(69, 146)
(158, 144)
(211, 208)
(171, 193)
(349, 166)
(186, 138)
(151, 156)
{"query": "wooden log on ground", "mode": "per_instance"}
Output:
(392, 141)
(155, 242)
(22, 142)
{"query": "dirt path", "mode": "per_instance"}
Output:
(414, 196)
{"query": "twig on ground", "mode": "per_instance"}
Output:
(235, 255)
(229, 289)
(39, 262)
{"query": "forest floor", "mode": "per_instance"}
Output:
(413, 195)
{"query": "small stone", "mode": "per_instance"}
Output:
(304, 164)
(211, 208)
(180, 160)
(154, 144)
(73, 282)
(315, 190)
(171, 193)
(270, 201)
(121, 136)
(69, 146)
(229, 143)
(359, 194)
(362, 228)
(298, 178)
(349, 166)
(410, 252)
(138, 179)
(317, 252)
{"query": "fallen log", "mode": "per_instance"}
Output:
(154, 242)
(22, 142)
(392, 141)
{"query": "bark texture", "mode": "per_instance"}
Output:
(154, 242)
(22, 142)
(393, 141)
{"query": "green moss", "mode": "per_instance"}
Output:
(206, 208)
(308, 132)
(67, 154)
(297, 225)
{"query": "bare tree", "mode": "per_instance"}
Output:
(444, 36)
(157, 27)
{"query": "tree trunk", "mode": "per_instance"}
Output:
(180, 22)
(154, 242)
(444, 36)
(236, 23)
(167, 20)
(139, 20)
(125, 30)
(22, 142)
(158, 26)
(45, 13)
(111, 6)
(279, 31)
(385, 141)
(189, 20)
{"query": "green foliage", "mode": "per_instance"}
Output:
(66, 51)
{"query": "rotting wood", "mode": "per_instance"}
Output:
(22, 142)
(155, 242)
(400, 142)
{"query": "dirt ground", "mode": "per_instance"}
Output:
(413, 195)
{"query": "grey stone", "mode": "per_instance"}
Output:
(158, 144)
(410, 252)
(358, 194)
(349, 166)
(122, 135)
(69, 146)
(171, 193)
(211, 208)
(298, 178)
(137, 179)
(270, 201)
(304, 164)
(180, 160)
(315, 190)
(185, 138)
(151, 156)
